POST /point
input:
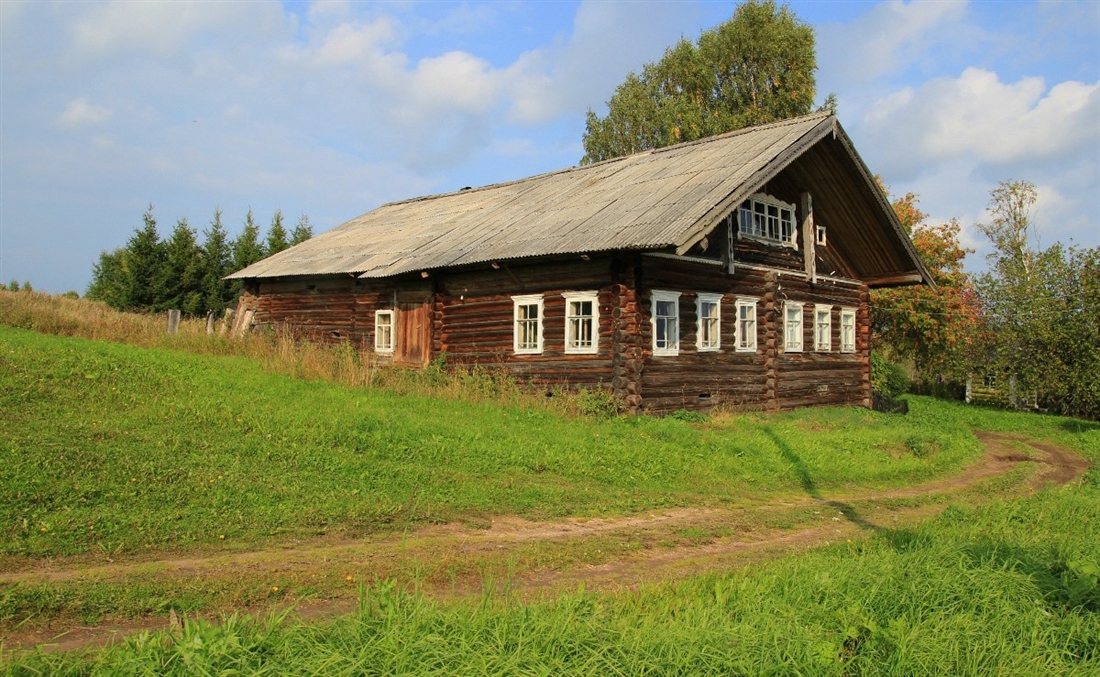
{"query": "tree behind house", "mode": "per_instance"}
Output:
(247, 248)
(216, 291)
(183, 272)
(153, 275)
(755, 68)
(1043, 308)
(276, 235)
(303, 230)
(143, 263)
(935, 328)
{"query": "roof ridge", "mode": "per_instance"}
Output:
(650, 151)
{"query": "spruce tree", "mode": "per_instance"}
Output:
(276, 235)
(109, 280)
(183, 271)
(303, 230)
(247, 248)
(143, 265)
(216, 256)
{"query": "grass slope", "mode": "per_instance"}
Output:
(107, 447)
(112, 448)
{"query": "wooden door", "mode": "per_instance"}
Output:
(414, 334)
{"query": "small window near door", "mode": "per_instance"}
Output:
(383, 331)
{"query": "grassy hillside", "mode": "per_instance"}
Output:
(111, 452)
(110, 446)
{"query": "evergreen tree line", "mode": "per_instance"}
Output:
(153, 275)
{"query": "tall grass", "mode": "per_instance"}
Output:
(283, 350)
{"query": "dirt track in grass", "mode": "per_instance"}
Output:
(534, 559)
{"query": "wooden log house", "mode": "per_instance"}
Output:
(732, 270)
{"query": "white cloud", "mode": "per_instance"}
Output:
(362, 44)
(609, 40)
(456, 80)
(978, 115)
(888, 38)
(80, 113)
(164, 28)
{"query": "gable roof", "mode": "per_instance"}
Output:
(664, 200)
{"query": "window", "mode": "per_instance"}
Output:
(746, 325)
(527, 330)
(823, 328)
(709, 308)
(582, 322)
(847, 330)
(383, 331)
(821, 235)
(792, 327)
(666, 322)
(762, 217)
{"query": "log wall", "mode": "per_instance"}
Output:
(471, 323)
(473, 319)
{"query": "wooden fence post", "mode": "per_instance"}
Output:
(173, 321)
(227, 322)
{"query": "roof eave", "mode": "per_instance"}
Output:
(919, 270)
(781, 161)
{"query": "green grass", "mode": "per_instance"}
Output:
(109, 450)
(1004, 589)
(112, 449)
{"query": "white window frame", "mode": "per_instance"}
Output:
(519, 302)
(746, 340)
(754, 220)
(383, 333)
(573, 344)
(847, 330)
(823, 331)
(792, 340)
(672, 343)
(713, 341)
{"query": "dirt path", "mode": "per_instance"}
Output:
(545, 557)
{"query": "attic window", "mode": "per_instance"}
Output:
(762, 217)
(821, 235)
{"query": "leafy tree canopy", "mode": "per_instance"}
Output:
(755, 68)
(1042, 307)
(936, 328)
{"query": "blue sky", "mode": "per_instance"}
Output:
(333, 108)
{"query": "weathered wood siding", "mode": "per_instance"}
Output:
(473, 319)
(767, 378)
(696, 379)
(814, 377)
(468, 317)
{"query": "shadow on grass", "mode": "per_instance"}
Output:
(810, 487)
(1075, 425)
